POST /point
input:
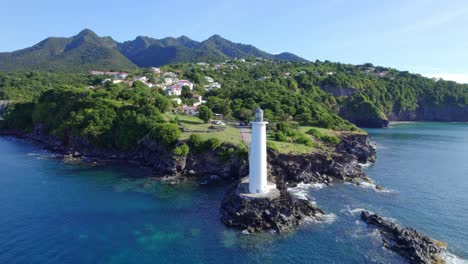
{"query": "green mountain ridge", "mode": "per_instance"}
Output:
(88, 51)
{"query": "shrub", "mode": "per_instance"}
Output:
(213, 143)
(182, 150)
(280, 136)
(167, 133)
(332, 140)
(303, 139)
(196, 142)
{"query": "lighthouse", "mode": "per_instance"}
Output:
(258, 155)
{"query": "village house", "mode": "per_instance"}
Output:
(155, 70)
(177, 100)
(209, 79)
(169, 75)
(115, 75)
(169, 81)
(189, 110)
(183, 83)
(212, 86)
(199, 100)
(174, 90)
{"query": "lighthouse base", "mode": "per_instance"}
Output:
(243, 191)
(275, 210)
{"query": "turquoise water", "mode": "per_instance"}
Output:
(53, 212)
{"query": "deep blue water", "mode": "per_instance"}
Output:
(54, 212)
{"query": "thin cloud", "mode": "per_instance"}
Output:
(457, 77)
(436, 20)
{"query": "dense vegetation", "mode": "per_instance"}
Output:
(112, 117)
(77, 107)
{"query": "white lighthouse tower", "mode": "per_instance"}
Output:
(258, 155)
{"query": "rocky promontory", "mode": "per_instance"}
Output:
(408, 242)
(281, 214)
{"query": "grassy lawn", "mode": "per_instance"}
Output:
(231, 134)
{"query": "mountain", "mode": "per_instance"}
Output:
(84, 51)
(87, 51)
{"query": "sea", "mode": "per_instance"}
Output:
(53, 211)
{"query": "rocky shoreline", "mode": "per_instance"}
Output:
(407, 242)
(285, 170)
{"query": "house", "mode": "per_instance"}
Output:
(116, 75)
(241, 60)
(155, 70)
(177, 100)
(212, 86)
(199, 100)
(142, 79)
(169, 75)
(170, 81)
(203, 64)
(189, 110)
(174, 90)
(209, 79)
(183, 83)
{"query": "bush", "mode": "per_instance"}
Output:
(213, 143)
(280, 136)
(167, 134)
(181, 150)
(332, 140)
(196, 142)
(303, 139)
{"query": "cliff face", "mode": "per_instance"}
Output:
(440, 113)
(319, 167)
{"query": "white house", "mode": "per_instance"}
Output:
(199, 100)
(155, 70)
(212, 86)
(209, 79)
(174, 90)
(183, 83)
(170, 81)
(169, 75)
(189, 110)
(177, 100)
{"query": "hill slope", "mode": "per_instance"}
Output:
(87, 51)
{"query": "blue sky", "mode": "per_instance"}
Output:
(424, 36)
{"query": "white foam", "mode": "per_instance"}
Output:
(450, 258)
(354, 211)
(322, 218)
(300, 191)
(371, 185)
(365, 165)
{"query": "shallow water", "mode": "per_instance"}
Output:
(53, 212)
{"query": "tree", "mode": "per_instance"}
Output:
(205, 113)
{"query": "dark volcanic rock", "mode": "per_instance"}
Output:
(319, 167)
(408, 242)
(281, 214)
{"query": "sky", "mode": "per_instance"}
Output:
(422, 36)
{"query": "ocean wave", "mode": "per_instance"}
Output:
(41, 155)
(322, 219)
(371, 185)
(354, 211)
(301, 191)
(365, 165)
(451, 258)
